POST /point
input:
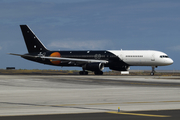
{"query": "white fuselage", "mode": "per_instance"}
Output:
(143, 57)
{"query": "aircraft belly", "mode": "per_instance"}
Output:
(143, 63)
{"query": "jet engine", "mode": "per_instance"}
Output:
(93, 66)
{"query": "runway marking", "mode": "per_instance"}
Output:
(138, 114)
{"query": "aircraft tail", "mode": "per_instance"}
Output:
(33, 44)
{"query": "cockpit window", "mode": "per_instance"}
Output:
(164, 56)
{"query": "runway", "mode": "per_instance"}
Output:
(46, 95)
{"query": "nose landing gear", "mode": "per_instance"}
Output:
(153, 70)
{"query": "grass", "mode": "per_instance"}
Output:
(37, 72)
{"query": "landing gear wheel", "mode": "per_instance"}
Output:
(152, 74)
(98, 72)
(83, 73)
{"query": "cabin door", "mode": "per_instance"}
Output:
(152, 58)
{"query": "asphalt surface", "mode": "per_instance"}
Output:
(129, 81)
(89, 97)
(141, 115)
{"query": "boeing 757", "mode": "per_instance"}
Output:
(91, 60)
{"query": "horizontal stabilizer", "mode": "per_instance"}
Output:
(23, 55)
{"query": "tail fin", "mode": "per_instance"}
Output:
(33, 44)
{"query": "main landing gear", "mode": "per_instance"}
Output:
(153, 70)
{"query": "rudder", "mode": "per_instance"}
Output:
(33, 44)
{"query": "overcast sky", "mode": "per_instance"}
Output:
(90, 25)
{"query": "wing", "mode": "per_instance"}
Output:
(74, 59)
(64, 59)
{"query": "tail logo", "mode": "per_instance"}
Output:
(55, 54)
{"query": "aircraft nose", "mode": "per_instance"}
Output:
(169, 61)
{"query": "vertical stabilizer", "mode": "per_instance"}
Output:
(33, 44)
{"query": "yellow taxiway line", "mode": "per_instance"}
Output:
(138, 114)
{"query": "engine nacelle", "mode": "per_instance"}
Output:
(120, 68)
(93, 66)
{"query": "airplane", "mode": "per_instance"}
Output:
(91, 60)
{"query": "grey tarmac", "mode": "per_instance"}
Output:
(74, 94)
(140, 115)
